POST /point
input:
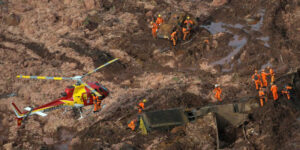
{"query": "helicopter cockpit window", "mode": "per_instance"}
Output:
(100, 90)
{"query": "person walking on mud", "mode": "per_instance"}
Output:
(218, 92)
(256, 79)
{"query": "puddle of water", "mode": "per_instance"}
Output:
(266, 40)
(266, 65)
(215, 27)
(218, 27)
(237, 44)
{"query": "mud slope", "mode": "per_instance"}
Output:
(71, 37)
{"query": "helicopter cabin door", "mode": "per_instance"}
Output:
(87, 99)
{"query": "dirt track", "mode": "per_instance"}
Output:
(55, 38)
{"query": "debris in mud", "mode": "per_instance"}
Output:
(230, 40)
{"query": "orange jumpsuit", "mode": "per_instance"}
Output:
(287, 92)
(218, 92)
(274, 92)
(185, 32)
(154, 30)
(159, 21)
(97, 103)
(256, 78)
(261, 94)
(141, 107)
(264, 78)
(132, 125)
(188, 23)
(272, 74)
(174, 37)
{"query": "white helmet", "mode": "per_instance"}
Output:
(216, 85)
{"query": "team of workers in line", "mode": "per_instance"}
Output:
(186, 29)
(261, 83)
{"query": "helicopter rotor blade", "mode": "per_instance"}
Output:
(100, 67)
(92, 90)
(44, 77)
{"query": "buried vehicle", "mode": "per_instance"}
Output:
(176, 21)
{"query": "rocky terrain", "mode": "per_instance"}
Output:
(71, 37)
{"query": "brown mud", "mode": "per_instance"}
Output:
(67, 38)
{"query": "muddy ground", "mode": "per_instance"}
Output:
(71, 37)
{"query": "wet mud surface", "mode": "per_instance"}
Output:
(243, 36)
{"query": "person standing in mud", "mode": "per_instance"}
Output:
(287, 91)
(154, 29)
(262, 96)
(256, 79)
(274, 91)
(174, 37)
(264, 76)
(141, 106)
(271, 73)
(187, 28)
(159, 20)
(218, 92)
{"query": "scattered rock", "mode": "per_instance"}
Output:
(217, 3)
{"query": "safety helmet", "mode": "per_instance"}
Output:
(159, 15)
(144, 100)
(188, 17)
(216, 85)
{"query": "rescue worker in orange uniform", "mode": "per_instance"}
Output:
(262, 96)
(264, 78)
(287, 91)
(141, 106)
(154, 29)
(274, 91)
(185, 32)
(188, 26)
(159, 20)
(174, 37)
(132, 124)
(188, 23)
(271, 73)
(97, 103)
(256, 79)
(218, 92)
